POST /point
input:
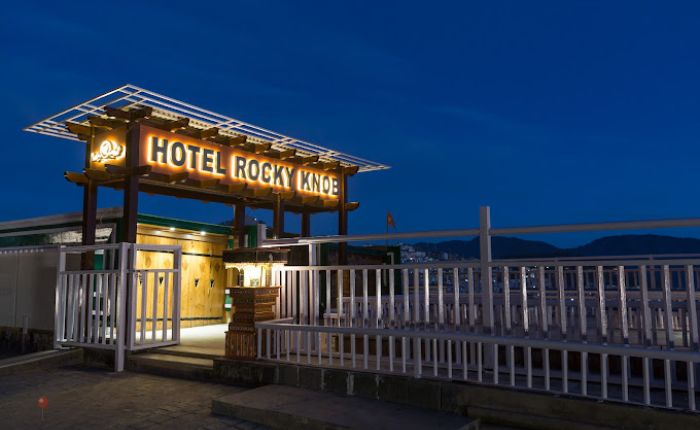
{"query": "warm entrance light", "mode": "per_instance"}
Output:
(254, 274)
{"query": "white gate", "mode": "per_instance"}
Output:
(91, 305)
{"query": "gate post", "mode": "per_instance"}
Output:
(122, 336)
(177, 279)
(60, 306)
(486, 273)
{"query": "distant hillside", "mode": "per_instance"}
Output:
(510, 247)
(631, 244)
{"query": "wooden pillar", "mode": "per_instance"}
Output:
(305, 224)
(89, 210)
(278, 216)
(131, 186)
(342, 217)
(239, 223)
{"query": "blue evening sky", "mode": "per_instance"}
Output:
(550, 112)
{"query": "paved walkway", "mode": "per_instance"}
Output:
(88, 399)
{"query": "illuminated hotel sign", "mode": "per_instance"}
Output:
(170, 153)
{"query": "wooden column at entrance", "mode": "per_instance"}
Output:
(278, 216)
(131, 186)
(239, 223)
(342, 217)
(305, 224)
(89, 212)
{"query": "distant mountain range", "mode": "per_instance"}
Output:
(510, 247)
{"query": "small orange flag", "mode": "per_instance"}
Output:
(390, 221)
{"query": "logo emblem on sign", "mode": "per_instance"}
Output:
(108, 151)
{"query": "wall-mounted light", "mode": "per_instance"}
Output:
(203, 233)
(172, 228)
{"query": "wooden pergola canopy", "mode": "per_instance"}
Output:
(180, 185)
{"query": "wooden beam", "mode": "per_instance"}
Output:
(350, 170)
(117, 113)
(329, 165)
(83, 131)
(236, 187)
(160, 187)
(129, 115)
(288, 195)
(304, 160)
(209, 132)
(77, 178)
(97, 121)
(257, 148)
(141, 170)
(177, 177)
(98, 175)
(308, 200)
(237, 140)
(120, 170)
(351, 206)
(281, 155)
(207, 183)
(178, 124)
(330, 203)
(262, 192)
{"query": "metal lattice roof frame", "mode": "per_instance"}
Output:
(130, 97)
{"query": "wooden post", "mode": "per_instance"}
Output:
(305, 224)
(131, 186)
(130, 219)
(239, 223)
(342, 217)
(89, 211)
(278, 216)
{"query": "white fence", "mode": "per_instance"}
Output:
(626, 373)
(650, 302)
(155, 309)
(615, 328)
(91, 304)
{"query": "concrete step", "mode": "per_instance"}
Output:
(187, 351)
(172, 365)
(50, 358)
(283, 407)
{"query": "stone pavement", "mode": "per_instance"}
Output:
(87, 399)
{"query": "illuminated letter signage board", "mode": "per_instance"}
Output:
(171, 153)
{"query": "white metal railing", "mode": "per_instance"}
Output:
(158, 324)
(625, 373)
(621, 327)
(91, 305)
(644, 302)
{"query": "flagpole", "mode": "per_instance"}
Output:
(386, 241)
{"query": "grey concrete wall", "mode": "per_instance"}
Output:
(27, 289)
(517, 408)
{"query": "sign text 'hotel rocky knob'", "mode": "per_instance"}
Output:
(169, 153)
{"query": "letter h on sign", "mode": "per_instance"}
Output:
(158, 149)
